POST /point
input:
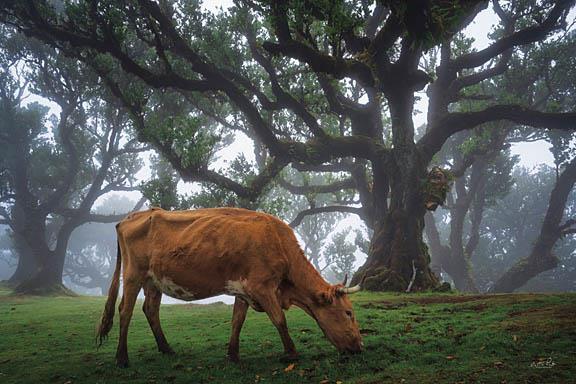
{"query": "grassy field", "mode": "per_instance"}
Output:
(425, 338)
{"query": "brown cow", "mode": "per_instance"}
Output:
(193, 255)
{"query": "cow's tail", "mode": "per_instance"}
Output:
(107, 317)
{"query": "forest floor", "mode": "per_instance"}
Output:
(409, 338)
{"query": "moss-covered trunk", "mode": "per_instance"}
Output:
(398, 257)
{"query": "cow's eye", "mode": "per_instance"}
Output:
(349, 314)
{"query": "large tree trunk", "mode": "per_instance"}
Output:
(460, 271)
(25, 224)
(398, 259)
(26, 267)
(453, 263)
(48, 278)
(541, 258)
(458, 266)
(398, 256)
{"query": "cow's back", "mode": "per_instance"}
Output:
(199, 252)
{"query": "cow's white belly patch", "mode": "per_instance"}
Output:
(169, 287)
(236, 288)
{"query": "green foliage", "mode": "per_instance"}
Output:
(211, 196)
(429, 23)
(562, 147)
(189, 141)
(161, 189)
(500, 178)
(420, 338)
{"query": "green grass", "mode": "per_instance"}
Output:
(425, 338)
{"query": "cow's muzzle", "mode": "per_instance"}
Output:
(355, 349)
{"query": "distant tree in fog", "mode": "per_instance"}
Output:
(510, 230)
(91, 253)
(482, 173)
(53, 169)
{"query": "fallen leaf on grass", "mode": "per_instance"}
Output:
(289, 368)
(450, 357)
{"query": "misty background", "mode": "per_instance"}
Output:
(516, 188)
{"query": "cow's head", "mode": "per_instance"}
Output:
(333, 312)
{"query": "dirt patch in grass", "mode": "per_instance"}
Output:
(546, 318)
(478, 303)
(383, 305)
(454, 299)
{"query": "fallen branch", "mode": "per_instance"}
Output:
(413, 277)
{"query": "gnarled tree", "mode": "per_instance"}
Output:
(50, 186)
(322, 85)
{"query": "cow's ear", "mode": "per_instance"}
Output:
(324, 297)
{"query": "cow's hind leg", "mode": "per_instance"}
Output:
(131, 289)
(151, 309)
(238, 317)
(270, 304)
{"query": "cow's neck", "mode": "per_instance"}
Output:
(305, 285)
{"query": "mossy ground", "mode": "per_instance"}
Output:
(416, 338)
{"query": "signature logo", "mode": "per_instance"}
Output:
(543, 363)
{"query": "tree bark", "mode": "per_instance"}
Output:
(48, 278)
(27, 262)
(455, 264)
(397, 248)
(541, 257)
(27, 265)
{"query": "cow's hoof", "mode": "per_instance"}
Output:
(289, 358)
(233, 359)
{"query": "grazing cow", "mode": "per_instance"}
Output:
(193, 255)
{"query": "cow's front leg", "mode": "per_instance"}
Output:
(238, 317)
(272, 307)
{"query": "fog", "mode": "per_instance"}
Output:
(85, 142)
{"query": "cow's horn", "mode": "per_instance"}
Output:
(354, 289)
(350, 290)
(345, 280)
